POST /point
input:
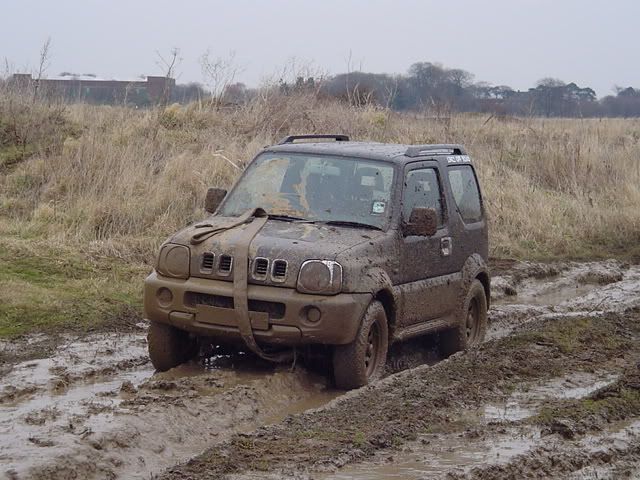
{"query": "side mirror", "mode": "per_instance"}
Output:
(422, 221)
(214, 199)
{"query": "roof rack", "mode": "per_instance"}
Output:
(293, 138)
(434, 149)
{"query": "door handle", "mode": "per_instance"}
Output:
(446, 245)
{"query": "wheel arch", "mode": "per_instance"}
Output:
(475, 268)
(388, 300)
(483, 276)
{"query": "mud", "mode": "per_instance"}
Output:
(96, 409)
(560, 334)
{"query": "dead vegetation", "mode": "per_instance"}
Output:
(554, 187)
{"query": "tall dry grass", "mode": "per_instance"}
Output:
(125, 179)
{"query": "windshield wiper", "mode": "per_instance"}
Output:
(346, 223)
(288, 218)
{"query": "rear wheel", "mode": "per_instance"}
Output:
(472, 324)
(169, 346)
(363, 360)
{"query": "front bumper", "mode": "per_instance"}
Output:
(279, 316)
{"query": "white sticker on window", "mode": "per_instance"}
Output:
(368, 181)
(378, 208)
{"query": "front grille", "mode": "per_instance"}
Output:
(207, 261)
(194, 298)
(275, 310)
(260, 267)
(279, 270)
(226, 263)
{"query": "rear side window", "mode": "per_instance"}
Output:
(466, 192)
(422, 189)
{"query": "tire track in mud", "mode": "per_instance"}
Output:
(97, 410)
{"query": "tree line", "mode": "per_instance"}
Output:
(426, 86)
(433, 87)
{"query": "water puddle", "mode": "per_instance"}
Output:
(434, 456)
(524, 404)
(546, 294)
(541, 291)
(545, 285)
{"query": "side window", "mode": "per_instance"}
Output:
(466, 193)
(422, 189)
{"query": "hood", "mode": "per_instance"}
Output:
(293, 242)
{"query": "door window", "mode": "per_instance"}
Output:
(422, 189)
(466, 193)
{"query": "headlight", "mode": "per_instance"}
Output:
(320, 276)
(173, 261)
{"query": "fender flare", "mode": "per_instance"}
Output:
(474, 268)
(377, 282)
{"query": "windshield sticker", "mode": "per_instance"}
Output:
(368, 181)
(378, 208)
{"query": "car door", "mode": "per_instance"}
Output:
(468, 220)
(428, 273)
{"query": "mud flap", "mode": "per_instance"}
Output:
(240, 276)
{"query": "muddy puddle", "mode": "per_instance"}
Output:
(526, 403)
(532, 291)
(434, 456)
(98, 410)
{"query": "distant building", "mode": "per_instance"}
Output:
(95, 90)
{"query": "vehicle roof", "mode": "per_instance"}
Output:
(389, 152)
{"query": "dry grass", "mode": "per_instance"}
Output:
(114, 182)
(554, 188)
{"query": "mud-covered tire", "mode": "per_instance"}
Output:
(169, 346)
(362, 361)
(472, 322)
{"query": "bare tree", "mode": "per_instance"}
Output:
(218, 74)
(168, 65)
(43, 66)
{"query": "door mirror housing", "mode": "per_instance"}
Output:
(214, 199)
(422, 221)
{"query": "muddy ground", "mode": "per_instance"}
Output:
(553, 393)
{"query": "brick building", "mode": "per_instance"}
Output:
(95, 90)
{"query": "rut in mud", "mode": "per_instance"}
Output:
(95, 409)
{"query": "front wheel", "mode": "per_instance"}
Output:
(169, 346)
(472, 322)
(362, 361)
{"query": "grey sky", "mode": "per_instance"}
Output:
(512, 42)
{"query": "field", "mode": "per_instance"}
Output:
(87, 193)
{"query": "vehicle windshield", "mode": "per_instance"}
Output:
(318, 188)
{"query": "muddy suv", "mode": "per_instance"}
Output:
(324, 241)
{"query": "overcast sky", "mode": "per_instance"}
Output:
(512, 42)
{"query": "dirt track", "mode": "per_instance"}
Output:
(515, 407)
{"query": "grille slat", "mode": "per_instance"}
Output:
(260, 267)
(208, 260)
(276, 310)
(226, 262)
(279, 272)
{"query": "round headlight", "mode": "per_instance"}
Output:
(320, 276)
(173, 261)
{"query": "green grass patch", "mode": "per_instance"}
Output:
(53, 290)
